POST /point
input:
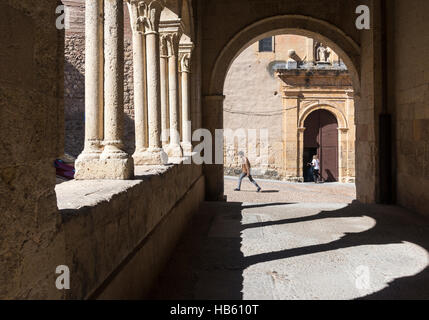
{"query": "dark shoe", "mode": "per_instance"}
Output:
(236, 189)
(259, 189)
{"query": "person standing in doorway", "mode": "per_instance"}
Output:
(316, 168)
(245, 171)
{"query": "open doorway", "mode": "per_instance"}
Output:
(321, 139)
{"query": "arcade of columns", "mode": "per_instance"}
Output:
(157, 53)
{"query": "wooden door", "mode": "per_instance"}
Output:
(321, 135)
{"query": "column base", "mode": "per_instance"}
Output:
(91, 152)
(187, 149)
(104, 169)
(150, 157)
(174, 151)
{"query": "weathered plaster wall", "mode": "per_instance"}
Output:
(31, 126)
(411, 45)
(253, 102)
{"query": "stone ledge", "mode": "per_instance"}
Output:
(102, 222)
(76, 194)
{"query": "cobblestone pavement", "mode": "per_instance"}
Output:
(267, 246)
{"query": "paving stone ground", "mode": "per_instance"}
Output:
(298, 241)
(275, 191)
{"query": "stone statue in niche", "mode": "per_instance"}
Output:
(322, 54)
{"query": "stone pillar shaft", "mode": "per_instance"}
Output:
(186, 109)
(139, 49)
(174, 149)
(153, 90)
(291, 103)
(173, 101)
(186, 103)
(164, 97)
(93, 76)
(212, 120)
(113, 74)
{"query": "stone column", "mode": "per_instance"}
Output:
(139, 67)
(88, 159)
(116, 163)
(174, 149)
(151, 13)
(290, 135)
(185, 53)
(300, 173)
(113, 162)
(164, 91)
(343, 172)
(213, 172)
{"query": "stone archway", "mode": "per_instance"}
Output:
(307, 26)
(342, 121)
(286, 24)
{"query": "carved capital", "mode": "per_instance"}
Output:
(135, 14)
(185, 62)
(172, 31)
(185, 53)
(172, 40)
(145, 15)
(163, 49)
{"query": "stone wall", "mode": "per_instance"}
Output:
(31, 137)
(411, 93)
(118, 234)
(253, 102)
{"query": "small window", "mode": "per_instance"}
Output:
(266, 45)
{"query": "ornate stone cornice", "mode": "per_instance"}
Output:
(145, 15)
